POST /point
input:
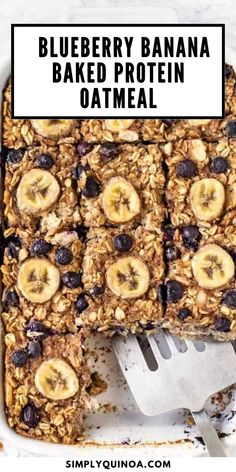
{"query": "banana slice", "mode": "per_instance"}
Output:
(56, 379)
(38, 279)
(207, 198)
(120, 200)
(212, 266)
(198, 122)
(37, 191)
(52, 128)
(117, 125)
(128, 277)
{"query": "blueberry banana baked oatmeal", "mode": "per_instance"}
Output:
(21, 133)
(122, 270)
(46, 383)
(201, 186)
(121, 184)
(200, 288)
(38, 189)
(42, 279)
(111, 226)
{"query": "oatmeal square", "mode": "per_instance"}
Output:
(45, 386)
(38, 189)
(122, 184)
(201, 183)
(42, 280)
(200, 288)
(122, 270)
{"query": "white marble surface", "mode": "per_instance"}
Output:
(179, 11)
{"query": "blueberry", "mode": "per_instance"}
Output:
(40, 247)
(186, 169)
(191, 236)
(19, 357)
(219, 165)
(82, 232)
(168, 233)
(79, 169)
(92, 188)
(147, 326)
(123, 242)
(223, 324)
(12, 298)
(35, 329)
(14, 246)
(174, 291)
(184, 313)
(168, 122)
(118, 329)
(34, 349)
(231, 129)
(14, 156)
(191, 244)
(96, 291)
(44, 161)
(72, 279)
(30, 415)
(81, 303)
(191, 232)
(229, 298)
(229, 71)
(83, 148)
(109, 150)
(64, 256)
(172, 253)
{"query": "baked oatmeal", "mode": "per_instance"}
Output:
(38, 189)
(45, 386)
(21, 133)
(201, 184)
(200, 289)
(121, 273)
(42, 280)
(121, 184)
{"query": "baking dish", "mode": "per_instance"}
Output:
(118, 428)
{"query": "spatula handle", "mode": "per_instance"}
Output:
(209, 434)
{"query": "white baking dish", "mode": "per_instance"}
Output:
(119, 432)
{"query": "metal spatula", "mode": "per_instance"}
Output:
(165, 373)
